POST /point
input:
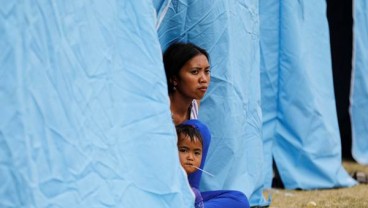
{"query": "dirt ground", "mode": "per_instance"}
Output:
(353, 197)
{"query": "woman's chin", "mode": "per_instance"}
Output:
(199, 97)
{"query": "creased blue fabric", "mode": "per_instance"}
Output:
(300, 121)
(359, 87)
(84, 111)
(269, 12)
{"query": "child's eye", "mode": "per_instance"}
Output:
(208, 71)
(197, 153)
(182, 150)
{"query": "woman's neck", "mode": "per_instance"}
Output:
(179, 107)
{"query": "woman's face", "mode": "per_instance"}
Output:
(194, 77)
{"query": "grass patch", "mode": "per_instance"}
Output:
(356, 196)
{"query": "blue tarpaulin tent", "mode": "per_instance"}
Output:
(84, 111)
(300, 122)
(359, 88)
(84, 117)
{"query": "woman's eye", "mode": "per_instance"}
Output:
(194, 71)
(207, 71)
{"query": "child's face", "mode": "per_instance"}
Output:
(190, 153)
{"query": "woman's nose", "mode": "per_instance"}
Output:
(203, 78)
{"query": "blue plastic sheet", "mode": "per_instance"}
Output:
(359, 87)
(84, 116)
(84, 111)
(300, 121)
(229, 30)
(269, 50)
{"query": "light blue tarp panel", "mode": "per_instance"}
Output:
(306, 144)
(84, 111)
(359, 87)
(269, 42)
(229, 30)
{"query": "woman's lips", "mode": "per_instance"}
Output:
(203, 89)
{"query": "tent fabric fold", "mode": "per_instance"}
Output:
(359, 85)
(81, 123)
(85, 117)
(300, 121)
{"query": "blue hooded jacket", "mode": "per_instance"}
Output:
(218, 198)
(195, 178)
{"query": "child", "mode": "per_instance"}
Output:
(193, 143)
(190, 154)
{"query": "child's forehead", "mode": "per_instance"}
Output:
(184, 137)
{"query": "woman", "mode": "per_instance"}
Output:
(188, 76)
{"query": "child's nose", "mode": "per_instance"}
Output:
(190, 156)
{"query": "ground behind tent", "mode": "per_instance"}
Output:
(354, 197)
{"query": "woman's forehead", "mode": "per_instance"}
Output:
(199, 60)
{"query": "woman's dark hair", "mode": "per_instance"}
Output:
(189, 130)
(175, 57)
